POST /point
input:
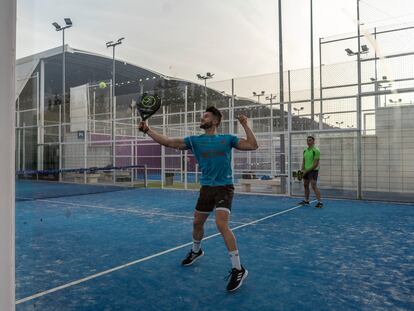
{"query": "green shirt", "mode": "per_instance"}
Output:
(310, 155)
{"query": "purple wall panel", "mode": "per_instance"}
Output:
(145, 152)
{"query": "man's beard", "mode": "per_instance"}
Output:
(206, 125)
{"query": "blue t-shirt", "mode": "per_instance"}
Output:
(213, 154)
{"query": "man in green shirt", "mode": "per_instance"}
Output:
(310, 169)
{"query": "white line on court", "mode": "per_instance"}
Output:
(55, 289)
(77, 205)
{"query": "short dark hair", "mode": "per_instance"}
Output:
(310, 136)
(215, 113)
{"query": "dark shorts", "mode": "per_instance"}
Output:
(215, 197)
(311, 175)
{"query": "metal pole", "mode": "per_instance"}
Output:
(163, 149)
(41, 115)
(135, 143)
(63, 76)
(131, 159)
(113, 114)
(282, 99)
(181, 152)
(24, 146)
(359, 136)
(19, 147)
(231, 127)
(312, 73)
(194, 118)
(39, 125)
(94, 111)
(232, 106)
(145, 176)
(205, 92)
(289, 139)
(376, 73)
(320, 86)
(272, 147)
(60, 143)
(113, 74)
(18, 131)
(85, 145)
(185, 134)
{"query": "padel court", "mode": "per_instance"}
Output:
(121, 250)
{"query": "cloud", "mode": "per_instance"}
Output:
(231, 38)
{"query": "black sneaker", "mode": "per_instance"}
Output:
(304, 202)
(191, 257)
(319, 205)
(236, 278)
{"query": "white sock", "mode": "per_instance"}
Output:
(196, 246)
(235, 259)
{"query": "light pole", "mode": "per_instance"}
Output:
(113, 110)
(271, 98)
(379, 86)
(298, 110)
(258, 95)
(362, 49)
(113, 45)
(311, 64)
(69, 24)
(325, 118)
(385, 87)
(398, 101)
(208, 76)
(339, 123)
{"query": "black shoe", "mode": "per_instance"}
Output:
(236, 278)
(319, 205)
(191, 257)
(304, 202)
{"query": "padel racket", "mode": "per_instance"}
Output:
(147, 105)
(298, 175)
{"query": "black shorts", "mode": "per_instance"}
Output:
(215, 197)
(311, 175)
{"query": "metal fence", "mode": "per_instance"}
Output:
(364, 125)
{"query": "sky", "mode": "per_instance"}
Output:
(180, 38)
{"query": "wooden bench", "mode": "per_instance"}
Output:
(123, 176)
(247, 184)
(120, 176)
(90, 178)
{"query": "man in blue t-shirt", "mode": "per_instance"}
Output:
(213, 153)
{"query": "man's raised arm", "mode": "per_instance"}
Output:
(176, 143)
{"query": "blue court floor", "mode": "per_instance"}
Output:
(122, 251)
